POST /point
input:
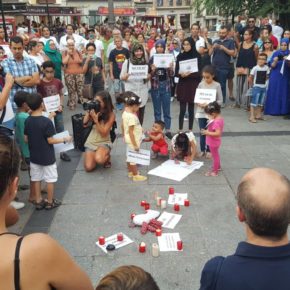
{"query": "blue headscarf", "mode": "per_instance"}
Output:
(160, 42)
(286, 40)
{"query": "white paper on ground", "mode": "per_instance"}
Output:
(61, 147)
(141, 157)
(168, 242)
(169, 169)
(169, 220)
(113, 241)
(177, 198)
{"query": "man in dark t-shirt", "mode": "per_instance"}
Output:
(262, 262)
(116, 59)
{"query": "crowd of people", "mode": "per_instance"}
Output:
(93, 68)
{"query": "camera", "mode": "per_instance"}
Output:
(92, 105)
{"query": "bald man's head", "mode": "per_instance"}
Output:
(264, 198)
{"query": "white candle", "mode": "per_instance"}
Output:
(158, 201)
(163, 203)
(155, 250)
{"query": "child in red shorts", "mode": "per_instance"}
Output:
(156, 135)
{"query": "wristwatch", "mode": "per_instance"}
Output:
(64, 141)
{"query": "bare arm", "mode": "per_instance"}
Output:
(65, 58)
(111, 70)
(157, 137)
(52, 140)
(33, 81)
(132, 137)
(86, 65)
(103, 128)
(4, 95)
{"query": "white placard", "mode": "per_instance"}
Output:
(169, 220)
(288, 57)
(141, 157)
(162, 60)
(138, 72)
(169, 169)
(61, 147)
(51, 103)
(168, 242)
(204, 96)
(177, 198)
(190, 65)
(114, 241)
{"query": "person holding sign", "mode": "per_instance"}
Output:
(207, 83)
(161, 88)
(135, 75)
(189, 79)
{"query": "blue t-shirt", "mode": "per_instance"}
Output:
(220, 59)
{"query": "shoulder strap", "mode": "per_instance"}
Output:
(17, 265)
(217, 273)
(3, 115)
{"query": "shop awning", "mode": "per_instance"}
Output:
(53, 11)
(104, 11)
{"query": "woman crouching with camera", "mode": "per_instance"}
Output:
(98, 144)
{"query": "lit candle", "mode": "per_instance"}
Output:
(158, 232)
(176, 207)
(186, 202)
(179, 245)
(155, 250)
(147, 206)
(120, 237)
(163, 203)
(171, 190)
(101, 240)
(142, 247)
(158, 201)
(143, 202)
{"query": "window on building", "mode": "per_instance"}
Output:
(159, 3)
(178, 2)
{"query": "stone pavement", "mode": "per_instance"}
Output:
(100, 203)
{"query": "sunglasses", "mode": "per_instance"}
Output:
(159, 46)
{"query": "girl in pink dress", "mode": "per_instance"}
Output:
(213, 133)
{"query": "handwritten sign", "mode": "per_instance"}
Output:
(138, 72)
(205, 96)
(139, 157)
(162, 60)
(51, 103)
(61, 147)
(190, 65)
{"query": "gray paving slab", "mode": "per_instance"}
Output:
(100, 203)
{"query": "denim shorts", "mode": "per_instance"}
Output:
(258, 97)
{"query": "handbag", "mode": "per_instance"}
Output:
(88, 92)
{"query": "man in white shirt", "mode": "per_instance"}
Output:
(277, 30)
(116, 32)
(195, 38)
(46, 36)
(80, 42)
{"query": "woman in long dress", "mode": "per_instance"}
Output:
(277, 102)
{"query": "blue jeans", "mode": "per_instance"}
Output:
(222, 76)
(258, 97)
(58, 121)
(202, 122)
(161, 101)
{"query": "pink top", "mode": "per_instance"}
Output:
(212, 127)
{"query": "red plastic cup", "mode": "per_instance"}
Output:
(176, 207)
(101, 240)
(158, 232)
(171, 190)
(179, 245)
(120, 237)
(186, 202)
(142, 247)
(147, 206)
(143, 202)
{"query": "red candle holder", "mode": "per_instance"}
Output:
(147, 206)
(132, 215)
(158, 232)
(102, 240)
(171, 190)
(142, 247)
(179, 245)
(176, 207)
(120, 237)
(186, 202)
(143, 202)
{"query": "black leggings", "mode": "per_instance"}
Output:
(190, 115)
(141, 113)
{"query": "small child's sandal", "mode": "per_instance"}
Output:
(50, 205)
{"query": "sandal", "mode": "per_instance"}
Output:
(33, 201)
(211, 173)
(40, 205)
(50, 205)
(262, 118)
(252, 120)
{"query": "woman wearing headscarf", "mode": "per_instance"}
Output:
(176, 51)
(55, 56)
(277, 102)
(133, 83)
(187, 84)
(161, 88)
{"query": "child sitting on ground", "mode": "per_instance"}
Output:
(132, 130)
(38, 132)
(258, 79)
(156, 135)
(183, 147)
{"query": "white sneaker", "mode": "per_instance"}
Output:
(17, 204)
